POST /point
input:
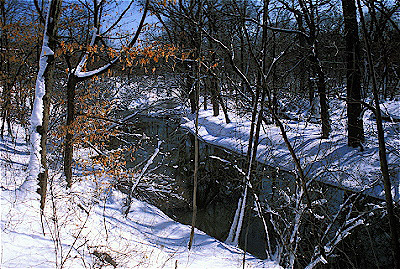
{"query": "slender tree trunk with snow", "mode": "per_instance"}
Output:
(254, 135)
(393, 221)
(196, 169)
(232, 230)
(196, 138)
(40, 113)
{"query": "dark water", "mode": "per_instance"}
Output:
(219, 186)
(169, 186)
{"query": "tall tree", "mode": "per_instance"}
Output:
(310, 13)
(196, 139)
(393, 221)
(211, 81)
(355, 129)
(40, 113)
(180, 22)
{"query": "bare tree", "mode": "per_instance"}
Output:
(40, 113)
(17, 62)
(393, 222)
(355, 130)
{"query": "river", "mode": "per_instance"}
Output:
(169, 185)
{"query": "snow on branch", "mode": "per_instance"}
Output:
(88, 74)
(140, 176)
(82, 63)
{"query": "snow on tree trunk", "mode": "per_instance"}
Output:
(240, 221)
(232, 230)
(39, 117)
(36, 120)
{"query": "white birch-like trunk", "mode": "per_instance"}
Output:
(36, 119)
(232, 230)
(240, 221)
(237, 223)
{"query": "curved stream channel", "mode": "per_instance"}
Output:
(168, 183)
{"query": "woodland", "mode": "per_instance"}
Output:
(200, 133)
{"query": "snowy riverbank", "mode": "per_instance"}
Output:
(327, 160)
(84, 227)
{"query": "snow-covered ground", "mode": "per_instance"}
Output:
(85, 228)
(328, 160)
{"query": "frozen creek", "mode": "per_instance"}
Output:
(168, 185)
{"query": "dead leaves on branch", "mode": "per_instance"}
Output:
(140, 55)
(91, 131)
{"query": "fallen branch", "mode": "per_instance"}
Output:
(138, 178)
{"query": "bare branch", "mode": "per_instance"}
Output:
(40, 12)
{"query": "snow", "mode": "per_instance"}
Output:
(83, 60)
(37, 112)
(88, 219)
(87, 74)
(327, 160)
(94, 72)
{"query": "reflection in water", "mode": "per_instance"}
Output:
(168, 185)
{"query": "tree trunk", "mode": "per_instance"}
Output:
(321, 88)
(77, 76)
(323, 100)
(196, 91)
(224, 108)
(213, 83)
(5, 67)
(214, 96)
(6, 109)
(190, 88)
(41, 108)
(317, 66)
(393, 222)
(355, 130)
(255, 127)
(217, 94)
(68, 143)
